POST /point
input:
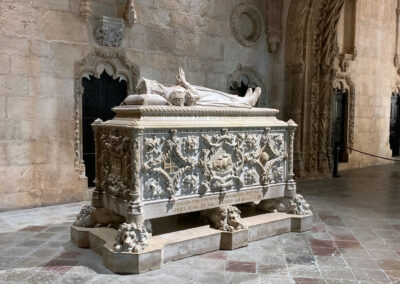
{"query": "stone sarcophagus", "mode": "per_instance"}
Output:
(182, 149)
(159, 161)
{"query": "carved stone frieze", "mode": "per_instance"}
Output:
(181, 164)
(226, 218)
(256, 21)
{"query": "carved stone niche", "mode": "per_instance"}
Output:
(246, 24)
(246, 77)
(94, 64)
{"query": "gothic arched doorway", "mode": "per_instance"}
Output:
(102, 80)
(99, 96)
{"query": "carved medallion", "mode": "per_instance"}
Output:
(246, 24)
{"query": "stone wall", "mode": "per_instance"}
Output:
(39, 42)
(374, 76)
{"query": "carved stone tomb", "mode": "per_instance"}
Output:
(158, 161)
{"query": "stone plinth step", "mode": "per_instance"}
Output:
(185, 243)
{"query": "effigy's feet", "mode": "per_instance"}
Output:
(256, 95)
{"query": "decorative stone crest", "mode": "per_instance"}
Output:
(254, 17)
(132, 238)
(226, 218)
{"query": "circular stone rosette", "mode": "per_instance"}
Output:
(255, 18)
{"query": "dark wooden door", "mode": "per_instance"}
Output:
(99, 96)
(394, 138)
(339, 103)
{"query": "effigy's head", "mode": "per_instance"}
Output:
(178, 97)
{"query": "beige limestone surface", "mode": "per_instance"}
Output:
(40, 40)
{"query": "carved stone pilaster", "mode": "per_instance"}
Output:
(325, 101)
(296, 71)
(274, 25)
(98, 192)
(135, 213)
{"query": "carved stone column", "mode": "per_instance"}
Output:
(324, 118)
(135, 212)
(290, 190)
(98, 192)
(296, 110)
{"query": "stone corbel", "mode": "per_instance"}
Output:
(108, 31)
(274, 25)
(345, 58)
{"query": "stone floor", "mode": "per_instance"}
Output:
(355, 239)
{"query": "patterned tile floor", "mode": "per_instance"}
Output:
(355, 239)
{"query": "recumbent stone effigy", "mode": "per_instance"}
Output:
(184, 148)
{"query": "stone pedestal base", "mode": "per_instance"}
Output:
(177, 245)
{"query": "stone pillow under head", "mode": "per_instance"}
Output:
(145, 99)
